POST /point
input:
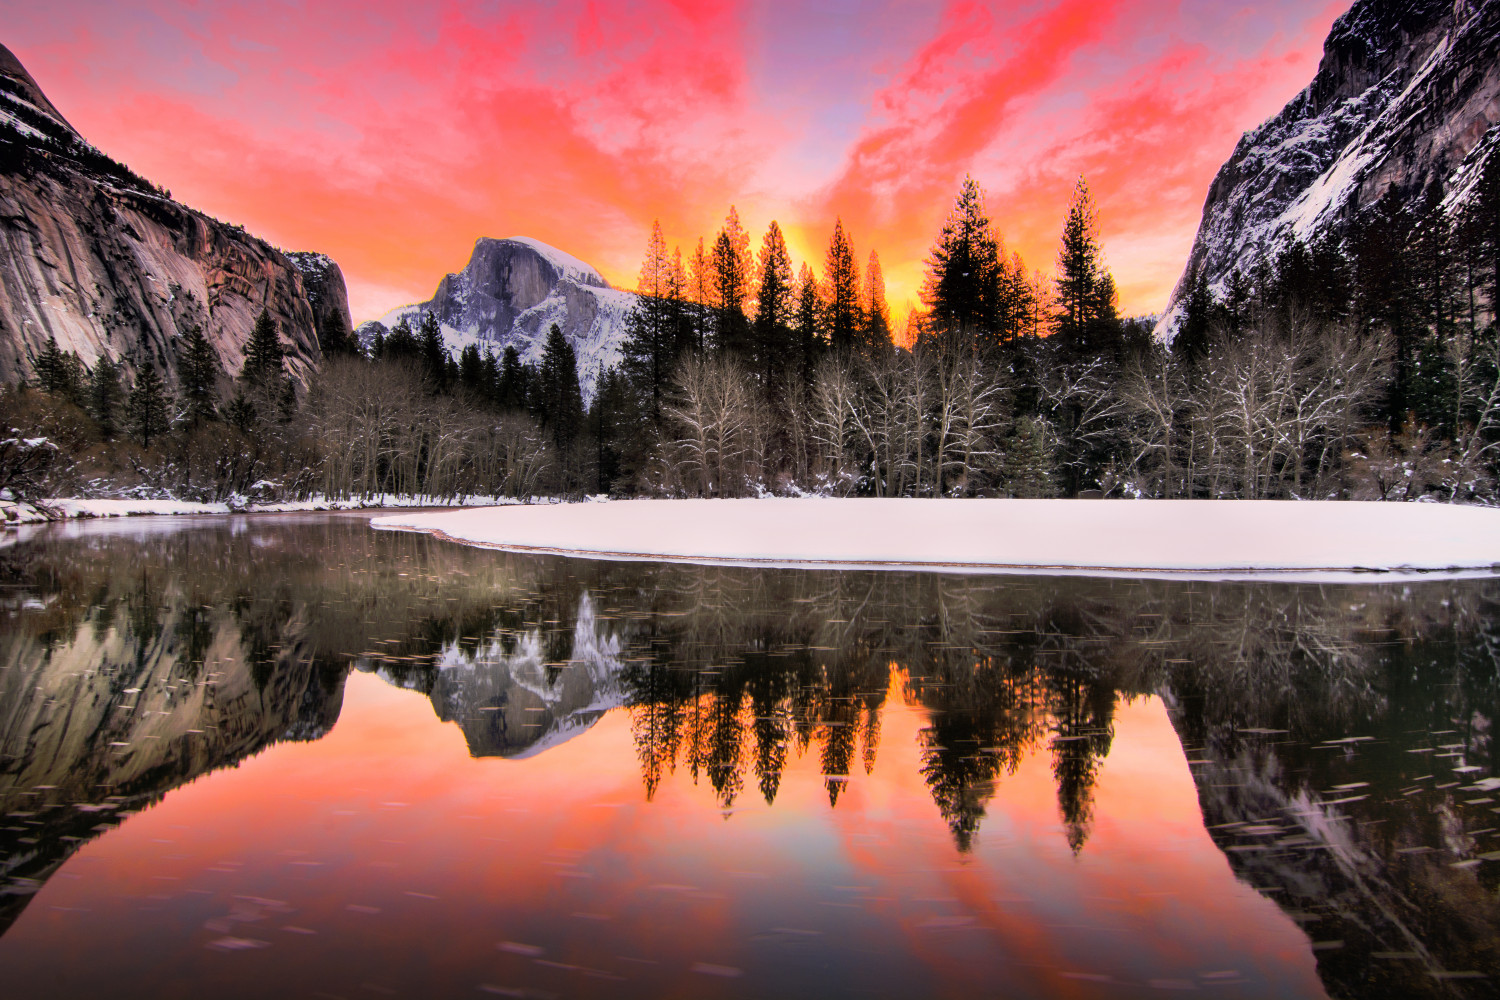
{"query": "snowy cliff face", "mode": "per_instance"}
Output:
(111, 266)
(1407, 95)
(511, 292)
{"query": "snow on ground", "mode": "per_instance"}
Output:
(12, 512)
(1206, 537)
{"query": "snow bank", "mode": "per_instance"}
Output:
(1205, 537)
(13, 512)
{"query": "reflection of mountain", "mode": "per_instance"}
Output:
(1351, 790)
(101, 719)
(517, 694)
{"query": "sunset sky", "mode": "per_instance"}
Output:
(391, 135)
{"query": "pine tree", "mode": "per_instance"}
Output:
(401, 344)
(561, 400)
(773, 313)
(434, 354)
(1484, 218)
(264, 360)
(653, 329)
(491, 378)
(1191, 342)
(61, 373)
(1016, 303)
(49, 368)
(105, 396)
(731, 276)
(877, 312)
(1085, 289)
(962, 288)
(808, 338)
(471, 372)
(146, 408)
(1027, 471)
(608, 420)
(700, 293)
(336, 340)
(1385, 296)
(198, 375)
(681, 309)
(511, 390)
(845, 318)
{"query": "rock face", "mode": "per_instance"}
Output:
(1407, 96)
(511, 292)
(111, 266)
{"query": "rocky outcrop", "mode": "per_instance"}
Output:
(511, 293)
(1407, 96)
(110, 265)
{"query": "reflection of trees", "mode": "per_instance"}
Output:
(731, 674)
(218, 640)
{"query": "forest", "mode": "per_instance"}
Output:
(1366, 369)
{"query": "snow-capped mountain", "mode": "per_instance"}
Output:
(1407, 95)
(510, 293)
(110, 265)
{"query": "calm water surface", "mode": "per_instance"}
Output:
(294, 757)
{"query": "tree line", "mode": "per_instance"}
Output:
(400, 417)
(1367, 368)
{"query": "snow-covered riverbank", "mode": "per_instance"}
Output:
(67, 508)
(1225, 537)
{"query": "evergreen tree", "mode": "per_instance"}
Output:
(1484, 220)
(105, 396)
(560, 399)
(198, 374)
(264, 360)
(1237, 305)
(845, 318)
(700, 294)
(512, 390)
(774, 307)
(1191, 342)
(49, 367)
(654, 331)
(61, 373)
(961, 290)
(1085, 288)
(877, 312)
(240, 413)
(1385, 296)
(1028, 465)
(608, 420)
(336, 339)
(471, 372)
(491, 378)
(808, 338)
(731, 275)
(435, 358)
(401, 344)
(146, 408)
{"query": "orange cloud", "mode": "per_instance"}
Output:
(392, 136)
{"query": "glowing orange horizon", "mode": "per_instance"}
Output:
(391, 136)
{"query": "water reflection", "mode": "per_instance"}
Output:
(1339, 737)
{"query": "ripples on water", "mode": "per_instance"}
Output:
(221, 775)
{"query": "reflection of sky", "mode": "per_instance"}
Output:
(392, 135)
(382, 857)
